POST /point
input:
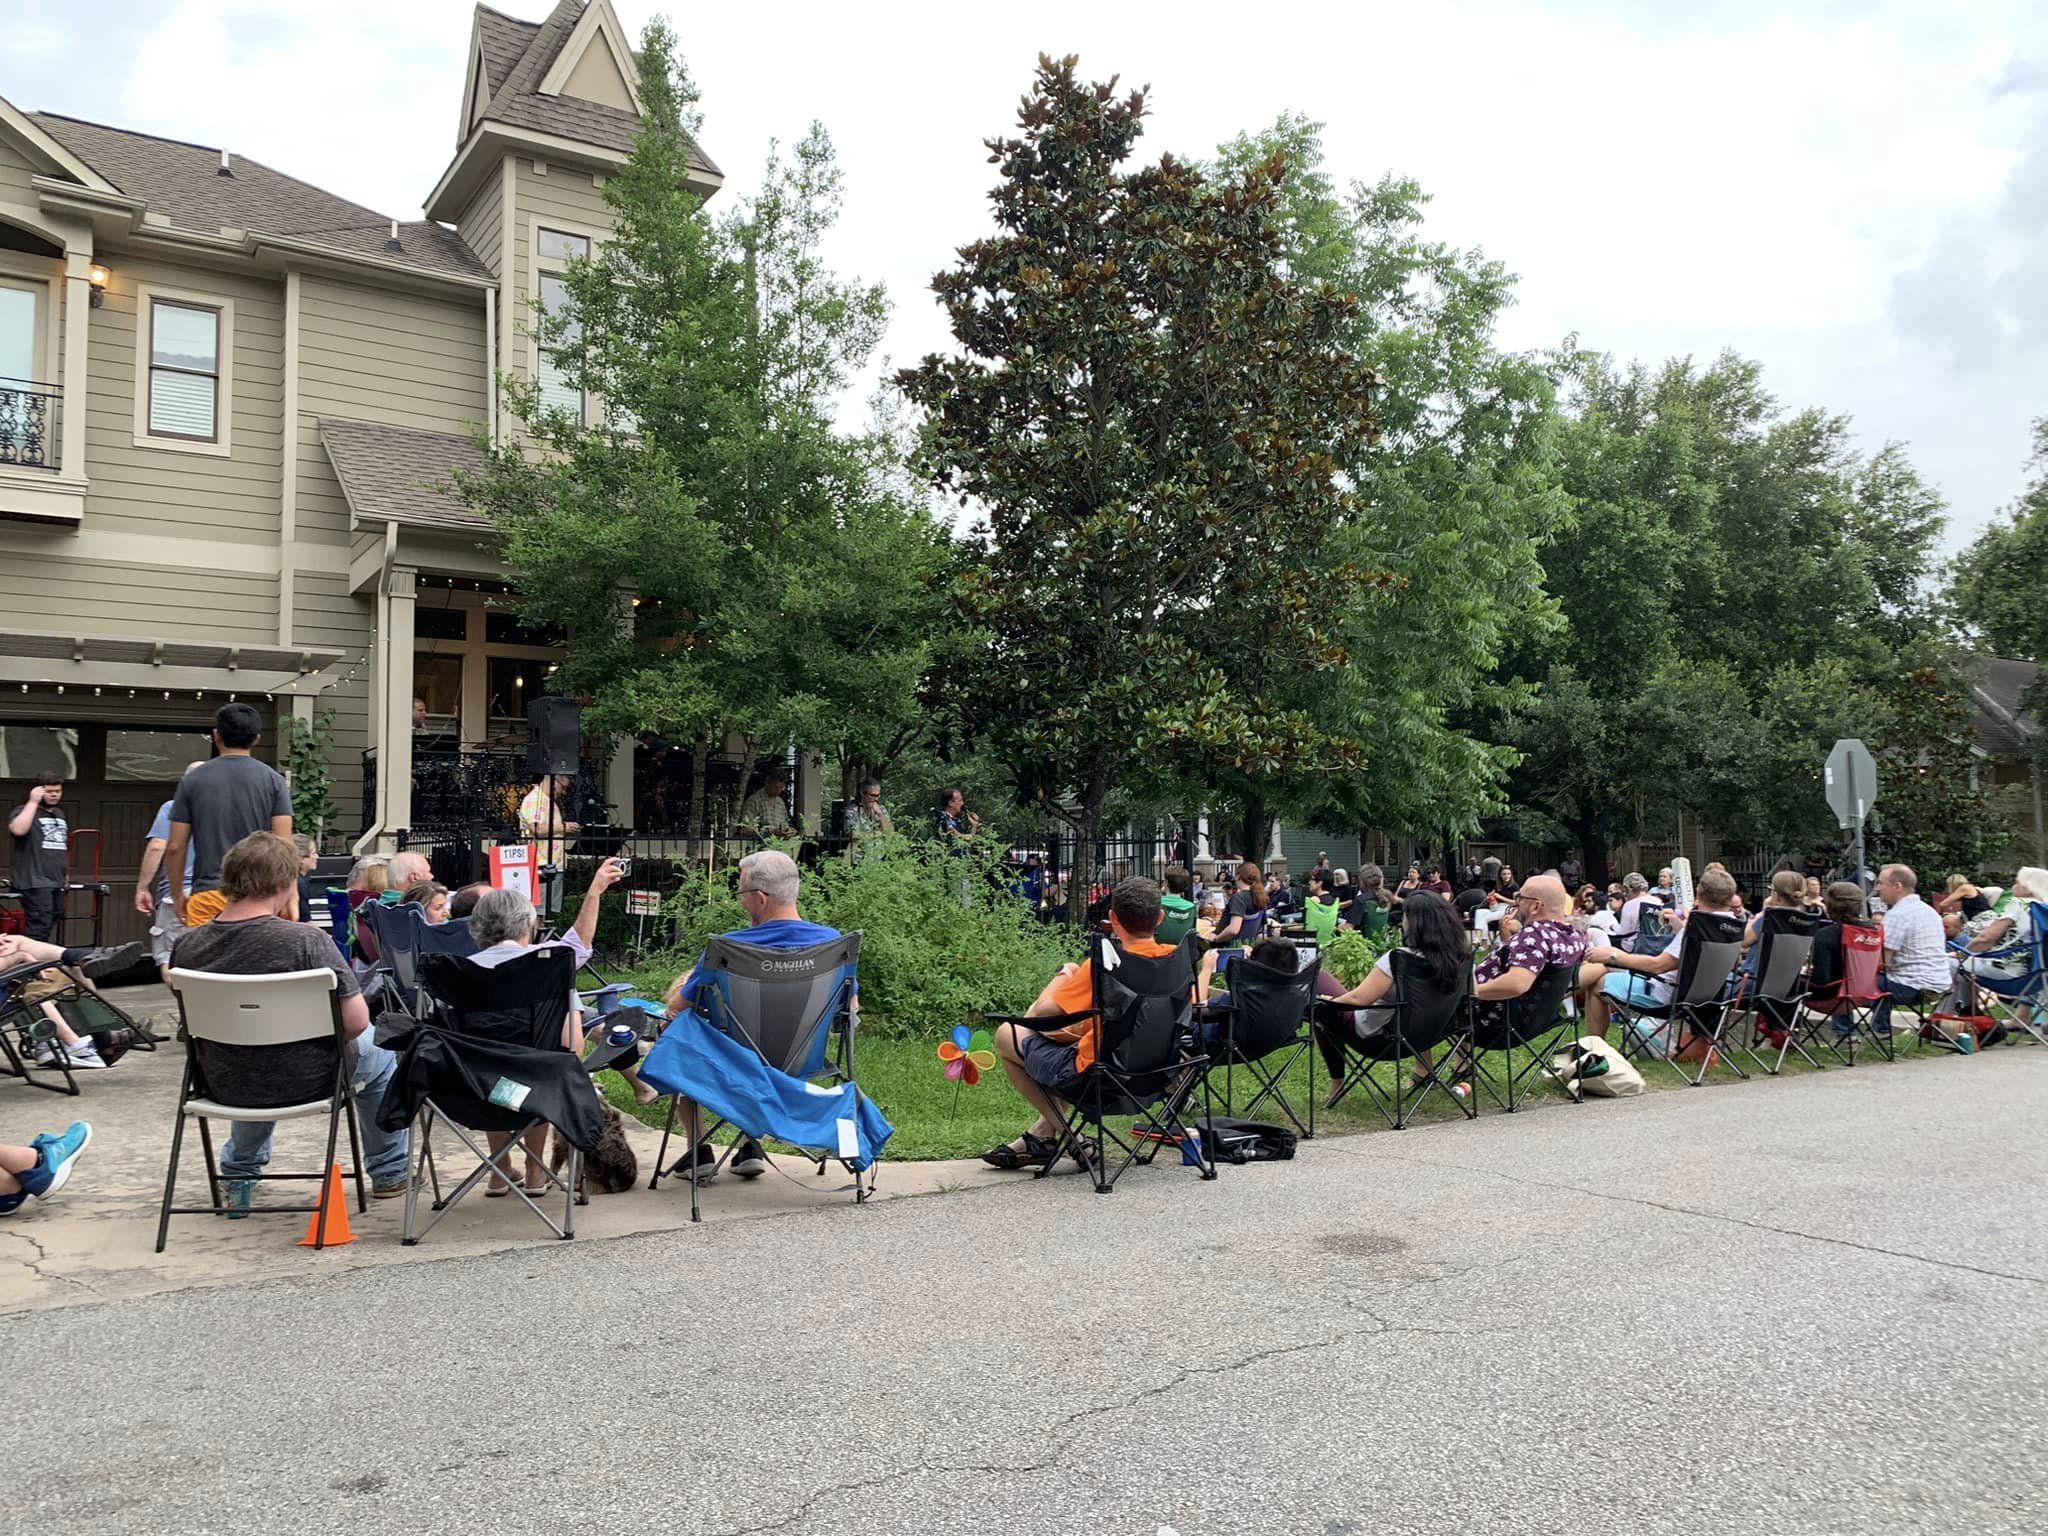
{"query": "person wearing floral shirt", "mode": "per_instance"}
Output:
(1546, 937)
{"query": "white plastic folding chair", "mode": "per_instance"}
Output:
(260, 1012)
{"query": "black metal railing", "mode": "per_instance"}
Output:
(25, 424)
(475, 792)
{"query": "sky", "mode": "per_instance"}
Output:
(1853, 192)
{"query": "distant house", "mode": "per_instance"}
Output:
(227, 398)
(2008, 735)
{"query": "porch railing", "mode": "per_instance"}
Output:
(25, 410)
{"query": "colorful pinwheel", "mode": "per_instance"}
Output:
(966, 1055)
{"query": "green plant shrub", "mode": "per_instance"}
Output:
(943, 936)
(1350, 957)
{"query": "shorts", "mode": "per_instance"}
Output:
(164, 932)
(47, 984)
(1631, 988)
(1048, 1063)
(202, 907)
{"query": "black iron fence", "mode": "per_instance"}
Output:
(25, 423)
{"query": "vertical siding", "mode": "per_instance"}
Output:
(563, 199)
(163, 491)
(372, 355)
(43, 588)
(328, 614)
(482, 222)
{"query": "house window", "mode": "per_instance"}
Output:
(558, 389)
(27, 436)
(184, 371)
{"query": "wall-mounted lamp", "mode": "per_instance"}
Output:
(96, 276)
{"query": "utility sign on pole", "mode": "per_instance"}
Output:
(1851, 778)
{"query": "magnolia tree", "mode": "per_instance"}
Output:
(1151, 414)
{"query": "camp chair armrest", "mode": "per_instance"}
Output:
(604, 1055)
(1038, 1026)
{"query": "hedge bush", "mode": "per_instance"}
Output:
(943, 935)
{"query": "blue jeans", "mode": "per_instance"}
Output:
(248, 1148)
(1894, 992)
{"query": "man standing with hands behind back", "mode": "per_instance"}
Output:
(217, 805)
(41, 869)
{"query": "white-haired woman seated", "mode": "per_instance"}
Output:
(2010, 929)
(504, 925)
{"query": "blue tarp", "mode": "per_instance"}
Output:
(729, 1078)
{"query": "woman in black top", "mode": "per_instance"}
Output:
(1249, 898)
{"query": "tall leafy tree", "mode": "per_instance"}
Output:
(780, 574)
(1152, 413)
(1737, 584)
(1459, 497)
(1995, 586)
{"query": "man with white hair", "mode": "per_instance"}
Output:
(768, 885)
(407, 870)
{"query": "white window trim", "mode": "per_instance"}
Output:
(44, 277)
(224, 414)
(538, 266)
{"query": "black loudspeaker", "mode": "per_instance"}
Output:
(554, 735)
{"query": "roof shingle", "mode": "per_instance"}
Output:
(392, 474)
(504, 41)
(183, 183)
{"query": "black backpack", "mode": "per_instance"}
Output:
(1246, 1141)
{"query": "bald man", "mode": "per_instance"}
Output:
(407, 870)
(1545, 938)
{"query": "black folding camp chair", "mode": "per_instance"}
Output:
(1765, 1022)
(1264, 1014)
(28, 1036)
(402, 936)
(795, 1008)
(1699, 1002)
(1418, 1016)
(1141, 1010)
(1537, 1025)
(488, 1057)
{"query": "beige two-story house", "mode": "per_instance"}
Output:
(227, 401)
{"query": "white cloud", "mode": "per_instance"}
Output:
(1850, 190)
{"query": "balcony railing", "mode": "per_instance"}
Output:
(25, 441)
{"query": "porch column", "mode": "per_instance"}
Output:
(77, 322)
(618, 775)
(394, 725)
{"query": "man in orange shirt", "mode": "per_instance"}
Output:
(1043, 1065)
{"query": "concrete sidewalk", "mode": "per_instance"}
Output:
(96, 1241)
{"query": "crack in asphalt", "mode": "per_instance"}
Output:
(35, 1265)
(1056, 1437)
(1719, 1216)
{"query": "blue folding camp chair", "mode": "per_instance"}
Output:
(402, 936)
(790, 1010)
(2021, 1001)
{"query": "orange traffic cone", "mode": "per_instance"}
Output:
(333, 1207)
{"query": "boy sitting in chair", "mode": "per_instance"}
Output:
(1042, 1064)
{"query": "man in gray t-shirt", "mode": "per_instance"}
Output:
(217, 805)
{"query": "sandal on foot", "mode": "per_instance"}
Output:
(1035, 1153)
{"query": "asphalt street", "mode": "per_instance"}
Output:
(1810, 1305)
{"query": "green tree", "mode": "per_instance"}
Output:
(781, 579)
(1995, 585)
(1152, 412)
(1460, 495)
(1738, 584)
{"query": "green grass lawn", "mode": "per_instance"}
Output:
(935, 1118)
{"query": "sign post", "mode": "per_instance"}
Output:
(1851, 780)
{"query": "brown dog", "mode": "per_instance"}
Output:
(611, 1163)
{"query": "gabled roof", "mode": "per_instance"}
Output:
(518, 101)
(183, 183)
(503, 40)
(2004, 728)
(393, 474)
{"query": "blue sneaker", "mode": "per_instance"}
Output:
(58, 1152)
(238, 1193)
